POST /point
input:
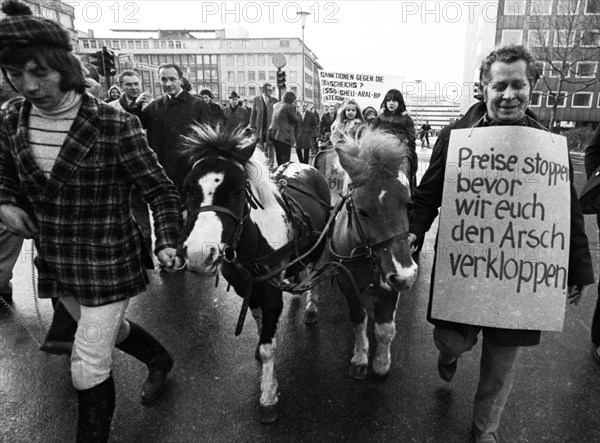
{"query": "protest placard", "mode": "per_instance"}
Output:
(503, 247)
(367, 89)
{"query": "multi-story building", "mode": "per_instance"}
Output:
(55, 10)
(222, 60)
(438, 112)
(559, 33)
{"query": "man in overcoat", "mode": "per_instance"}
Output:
(236, 116)
(260, 120)
(76, 160)
(508, 76)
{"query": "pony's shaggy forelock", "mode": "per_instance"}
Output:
(203, 140)
(383, 152)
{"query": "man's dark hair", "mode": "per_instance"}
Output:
(289, 97)
(171, 65)
(61, 60)
(265, 86)
(126, 73)
(509, 54)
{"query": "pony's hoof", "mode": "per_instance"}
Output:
(310, 317)
(268, 414)
(257, 353)
(357, 372)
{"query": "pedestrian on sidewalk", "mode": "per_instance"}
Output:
(76, 161)
(260, 119)
(282, 131)
(508, 76)
(592, 166)
(424, 134)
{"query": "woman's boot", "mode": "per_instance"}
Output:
(61, 334)
(143, 346)
(96, 407)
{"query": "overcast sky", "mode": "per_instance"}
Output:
(415, 39)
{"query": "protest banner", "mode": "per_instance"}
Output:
(503, 246)
(367, 89)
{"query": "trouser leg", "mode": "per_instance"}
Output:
(10, 248)
(60, 336)
(496, 378)
(282, 151)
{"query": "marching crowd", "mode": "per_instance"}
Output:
(74, 168)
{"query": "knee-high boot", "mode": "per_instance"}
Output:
(143, 346)
(61, 334)
(96, 406)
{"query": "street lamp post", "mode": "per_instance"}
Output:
(303, 15)
(418, 82)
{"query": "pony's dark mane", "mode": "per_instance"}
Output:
(203, 140)
(383, 152)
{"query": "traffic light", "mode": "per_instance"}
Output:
(109, 62)
(281, 79)
(97, 60)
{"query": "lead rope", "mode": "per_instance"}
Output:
(18, 317)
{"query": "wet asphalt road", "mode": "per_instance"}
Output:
(214, 388)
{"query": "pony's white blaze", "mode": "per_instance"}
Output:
(409, 274)
(203, 242)
(381, 196)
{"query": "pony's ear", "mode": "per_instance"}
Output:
(352, 165)
(247, 151)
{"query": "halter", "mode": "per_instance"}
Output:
(365, 250)
(228, 252)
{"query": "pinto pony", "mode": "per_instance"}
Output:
(370, 242)
(258, 231)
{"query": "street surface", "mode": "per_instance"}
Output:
(214, 388)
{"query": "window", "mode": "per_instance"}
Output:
(251, 76)
(251, 91)
(230, 60)
(171, 44)
(241, 76)
(582, 100)
(294, 59)
(537, 38)
(261, 59)
(65, 20)
(163, 44)
(115, 44)
(261, 76)
(586, 69)
(145, 44)
(86, 44)
(251, 59)
(92, 43)
(554, 69)
(536, 99)
(293, 76)
(177, 44)
(272, 76)
(156, 44)
(564, 38)
(567, 7)
(512, 37)
(562, 102)
(592, 6)
(240, 60)
(49, 13)
(308, 79)
(514, 7)
(294, 89)
(230, 76)
(138, 44)
(590, 38)
(541, 7)
(284, 43)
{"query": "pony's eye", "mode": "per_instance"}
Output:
(363, 213)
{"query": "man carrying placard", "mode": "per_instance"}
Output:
(497, 201)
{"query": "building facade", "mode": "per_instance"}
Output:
(565, 36)
(221, 60)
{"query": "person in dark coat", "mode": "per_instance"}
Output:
(168, 118)
(260, 119)
(326, 122)
(307, 133)
(76, 160)
(283, 127)
(508, 75)
(592, 162)
(216, 112)
(236, 116)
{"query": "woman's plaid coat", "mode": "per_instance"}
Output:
(88, 244)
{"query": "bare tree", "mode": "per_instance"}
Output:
(564, 42)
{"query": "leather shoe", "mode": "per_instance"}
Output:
(483, 437)
(447, 370)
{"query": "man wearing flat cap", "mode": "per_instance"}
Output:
(217, 116)
(77, 159)
(236, 116)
